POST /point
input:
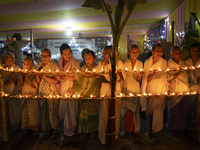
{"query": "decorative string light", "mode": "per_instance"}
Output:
(102, 96)
(97, 72)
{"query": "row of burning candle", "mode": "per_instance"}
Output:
(102, 96)
(97, 72)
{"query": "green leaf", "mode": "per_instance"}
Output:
(119, 13)
(108, 7)
(142, 1)
(130, 3)
(132, 7)
(112, 25)
(96, 4)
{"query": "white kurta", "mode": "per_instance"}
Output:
(180, 84)
(157, 85)
(14, 104)
(131, 85)
(106, 92)
(68, 109)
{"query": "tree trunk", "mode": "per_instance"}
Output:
(111, 104)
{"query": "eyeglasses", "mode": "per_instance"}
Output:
(45, 56)
(158, 51)
(134, 52)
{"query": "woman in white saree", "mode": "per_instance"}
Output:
(131, 105)
(154, 82)
(10, 87)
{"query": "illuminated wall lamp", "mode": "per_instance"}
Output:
(68, 32)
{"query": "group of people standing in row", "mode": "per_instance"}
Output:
(90, 115)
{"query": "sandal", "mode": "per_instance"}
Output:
(148, 135)
(54, 134)
(122, 135)
(138, 134)
(47, 133)
(36, 133)
(26, 131)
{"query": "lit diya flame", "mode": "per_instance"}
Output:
(165, 93)
(188, 93)
(120, 94)
(159, 69)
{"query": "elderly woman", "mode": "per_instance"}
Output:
(10, 87)
(68, 109)
(131, 106)
(48, 85)
(154, 82)
(194, 76)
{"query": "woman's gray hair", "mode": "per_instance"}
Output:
(47, 50)
(10, 55)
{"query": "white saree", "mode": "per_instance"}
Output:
(158, 85)
(106, 92)
(31, 119)
(180, 84)
(14, 104)
(131, 85)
